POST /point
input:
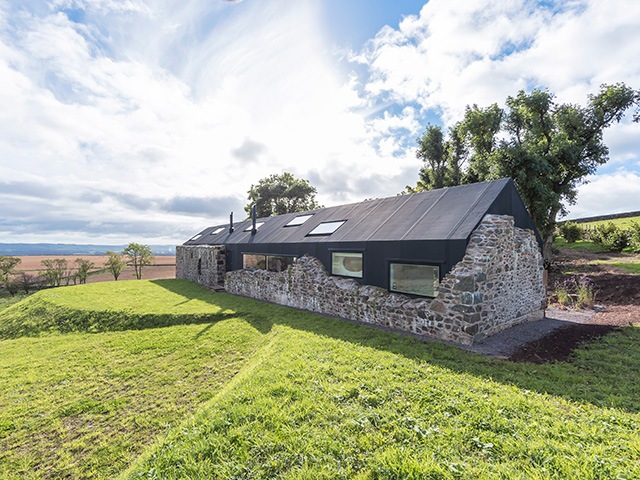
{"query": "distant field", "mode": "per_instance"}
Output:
(165, 267)
(619, 222)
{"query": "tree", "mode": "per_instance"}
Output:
(547, 148)
(55, 270)
(139, 256)
(7, 265)
(83, 266)
(115, 264)
(442, 159)
(280, 194)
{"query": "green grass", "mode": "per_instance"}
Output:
(283, 393)
(618, 222)
(560, 242)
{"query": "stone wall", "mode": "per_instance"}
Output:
(497, 284)
(203, 264)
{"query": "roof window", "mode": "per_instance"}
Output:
(195, 237)
(250, 227)
(218, 230)
(299, 220)
(327, 228)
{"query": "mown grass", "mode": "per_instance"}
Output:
(323, 398)
(586, 245)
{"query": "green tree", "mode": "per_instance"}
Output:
(547, 148)
(115, 264)
(7, 266)
(55, 270)
(280, 194)
(139, 256)
(442, 159)
(83, 265)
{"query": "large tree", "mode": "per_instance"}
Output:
(547, 148)
(280, 194)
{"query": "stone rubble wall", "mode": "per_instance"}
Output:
(497, 284)
(212, 261)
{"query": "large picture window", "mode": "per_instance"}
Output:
(347, 264)
(273, 263)
(414, 279)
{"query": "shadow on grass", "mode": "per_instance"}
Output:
(606, 373)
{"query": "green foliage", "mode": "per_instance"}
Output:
(547, 148)
(571, 231)
(575, 292)
(280, 194)
(115, 264)
(83, 265)
(611, 237)
(7, 267)
(441, 160)
(55, 270)
(271, 392)
(634, 235)
(139, 256)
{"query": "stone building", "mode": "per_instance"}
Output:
(458, 263)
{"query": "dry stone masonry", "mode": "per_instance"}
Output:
(497, 284)
(205, 264)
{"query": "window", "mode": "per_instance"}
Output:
(279, 263)
(218, 230)
(195, 237)
(258, 225)
(414, 279)
(252, 262)
(273, 263)
(299, 220)
(326, 228)
(346, 264)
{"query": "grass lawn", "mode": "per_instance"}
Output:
(282, 393)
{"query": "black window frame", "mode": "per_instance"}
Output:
(333, 251)
(435, 264)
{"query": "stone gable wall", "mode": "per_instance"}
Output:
(210, 258)
(497, 284)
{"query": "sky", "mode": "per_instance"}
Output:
(149, 120)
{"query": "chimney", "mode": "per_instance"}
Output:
(231, 222)
(253, 220)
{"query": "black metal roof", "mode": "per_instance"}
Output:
(443, 214)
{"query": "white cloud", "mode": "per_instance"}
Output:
(606, 194)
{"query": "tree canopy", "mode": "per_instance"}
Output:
(139, 256)
(547, 148)
(280, 194)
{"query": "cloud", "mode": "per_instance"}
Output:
(606, 194)
(249, 151)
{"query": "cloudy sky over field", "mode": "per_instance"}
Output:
(148, 120)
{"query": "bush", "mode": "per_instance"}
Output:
(634, 235)
(611, 237)
(576, 292)
(571, 231)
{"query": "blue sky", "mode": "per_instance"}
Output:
(146, 121)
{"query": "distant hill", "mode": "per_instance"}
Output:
(19, 249)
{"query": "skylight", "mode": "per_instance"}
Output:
(195, 237)
(218, 230)
(258, 225)
(327, 228)
(299, 220)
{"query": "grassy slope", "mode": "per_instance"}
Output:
(323, 398)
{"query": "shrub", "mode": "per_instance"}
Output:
(571, 231)
(611, 237)
(634, 235)
(575, 292)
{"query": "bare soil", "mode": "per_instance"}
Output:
(617, 305)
